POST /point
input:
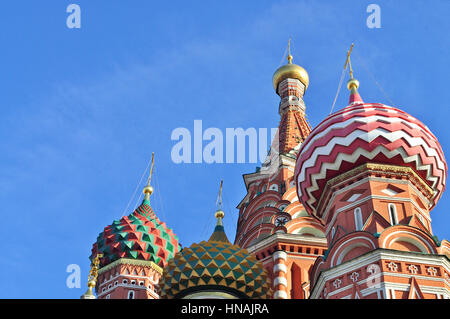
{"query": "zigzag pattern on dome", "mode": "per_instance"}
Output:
(215, 263)
(367, 132)
(140, 235)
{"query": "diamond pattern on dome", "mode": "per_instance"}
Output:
(140, 235)
(213, 263)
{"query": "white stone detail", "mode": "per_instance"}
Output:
(279, 255)
(354, 197)
(413, 269)
(393, 266)
(389, 191)
(280, 267)
(280, 281)
(337, 283)
(432, 271)
(279, 294)
(354, 276)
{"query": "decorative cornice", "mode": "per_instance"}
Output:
(375, 256)
(127, 261)
(287, 239)
(372, 168)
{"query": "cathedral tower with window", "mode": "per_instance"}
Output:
(272, 223)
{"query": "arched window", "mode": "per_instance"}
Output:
(131, 294)
(358, 218)
(393, 214)
(333, 231)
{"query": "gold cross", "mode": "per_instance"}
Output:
(151, 169)
(220, 194)
(289, 57)
(347, 61)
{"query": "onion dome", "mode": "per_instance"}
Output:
(367, 132)
(140, 235)
(292, 71)
(215, 269)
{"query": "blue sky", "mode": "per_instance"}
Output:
(83, 109)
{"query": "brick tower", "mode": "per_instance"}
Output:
(272, 223)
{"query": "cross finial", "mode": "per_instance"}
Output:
(148, 190)
(347, 61)
(219, 212)
(151, 169)
(289, 57)
(220, 194)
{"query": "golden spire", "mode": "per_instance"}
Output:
(289, 57)
(219, 231)
(148, 190)
(347, 61)
(352, 84)
(219, 213)
(92, 279)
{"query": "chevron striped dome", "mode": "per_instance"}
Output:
(367, 132)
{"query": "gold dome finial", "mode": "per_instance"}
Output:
(148, 190)
(92, 279)
(290, 70)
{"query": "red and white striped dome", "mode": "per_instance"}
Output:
(367, 132)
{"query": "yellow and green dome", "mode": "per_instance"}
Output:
(213, 268)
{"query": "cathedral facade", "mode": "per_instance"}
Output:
(336, 212)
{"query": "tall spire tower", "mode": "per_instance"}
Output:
(290, 82)
(272, 222)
